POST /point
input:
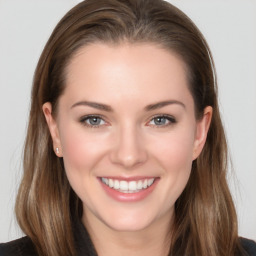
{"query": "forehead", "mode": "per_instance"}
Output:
(128, 72)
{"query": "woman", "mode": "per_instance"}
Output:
(125, 150)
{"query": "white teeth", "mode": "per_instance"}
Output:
(150, 182)
(116, 184)
(123, 185)
(139, 184)
(145, 184)
(128, 187)
(105, 180)
(132, 185)
(110, 183)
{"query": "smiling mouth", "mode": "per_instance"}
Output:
(123, 186)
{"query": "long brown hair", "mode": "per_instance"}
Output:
(205, 218)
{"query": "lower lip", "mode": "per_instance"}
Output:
(129, 197)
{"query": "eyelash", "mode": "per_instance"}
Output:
(169, 118)
(86, 118)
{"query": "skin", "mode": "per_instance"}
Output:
(128, 142)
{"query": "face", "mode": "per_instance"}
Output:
(127, 132)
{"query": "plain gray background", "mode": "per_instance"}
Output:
(230, 29)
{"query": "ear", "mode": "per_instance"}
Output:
(202, 128)
(53, 128)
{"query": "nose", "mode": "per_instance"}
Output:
(128, 149)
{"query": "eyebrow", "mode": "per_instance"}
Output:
(108, 108)
(163, 104)
(96, 105)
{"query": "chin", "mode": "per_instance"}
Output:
(133, 226)
(129, 222)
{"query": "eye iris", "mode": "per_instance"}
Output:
(94, 120)
(160, 120)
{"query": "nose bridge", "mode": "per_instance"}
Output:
(129, 149)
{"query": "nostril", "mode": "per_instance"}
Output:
(128, 160)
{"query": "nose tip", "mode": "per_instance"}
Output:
(129, 150)
(128, 160)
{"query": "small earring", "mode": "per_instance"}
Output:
(57, 151)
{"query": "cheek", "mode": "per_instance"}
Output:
(174, 153)
(81, 151)
(176, 159)
(175, 149)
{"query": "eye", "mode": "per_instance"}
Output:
(162, 120)
(92, 121)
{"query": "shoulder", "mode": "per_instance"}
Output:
(249, 246)
(20, 247)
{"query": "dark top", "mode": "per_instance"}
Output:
(84, 246)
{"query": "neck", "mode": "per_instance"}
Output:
(153, 240)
